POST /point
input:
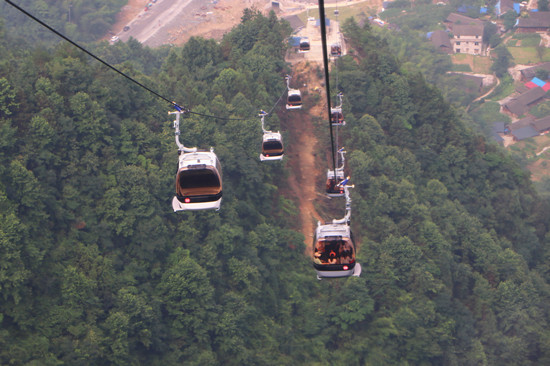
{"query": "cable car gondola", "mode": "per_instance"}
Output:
(335, 50)
(272, 143)
(336, 115)
(334, 247)
(199, 177)
(335, 179)
(304, 45)
(294, 97)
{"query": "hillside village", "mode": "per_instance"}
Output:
(517, 80)
(500, 56)
(464, 34)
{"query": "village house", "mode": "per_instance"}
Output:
(440, 39)
(524, 133)
(530, 73)
(521, 104)
(542, 125)
(468, 39)
(528, 127)
(535, 22)
(467, 34)
(504, 6)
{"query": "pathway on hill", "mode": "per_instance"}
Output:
(484, 95)
(306, 175)
(301, 153)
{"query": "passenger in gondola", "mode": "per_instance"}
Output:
(346, 253)
(320, 254)
(332, 257)
(331, 184)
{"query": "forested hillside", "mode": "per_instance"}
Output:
(81, 20)
(96, 269)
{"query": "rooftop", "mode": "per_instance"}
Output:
(441, 39)
(518, 105)
(468, 30)
(540, 19)
(458, 19)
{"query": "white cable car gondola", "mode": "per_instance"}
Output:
(336, 115)
(334, 185)
(272, 143)
(304, 45)
(294, 97)
(199, 177)
(334, 248)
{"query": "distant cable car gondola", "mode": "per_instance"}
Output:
(334, 188)
(336, 50)
(304, 45)
(334, 247)
(294, 97)
(199, 177)
(336, 115)
(272, 143)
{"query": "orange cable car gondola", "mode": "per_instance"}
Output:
(294, 97)
(272, 143)
(199, 177)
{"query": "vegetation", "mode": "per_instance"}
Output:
(541, 109)
(527, 39)
(96, 269)
(502, 62)
(424, 17)
(486, 114)
(509, 19)
(461, 67)
(542, 74)
(480, 64)
(504, 89)
(529, 55)
(78, 19)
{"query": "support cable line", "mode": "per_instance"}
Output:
(277, 102)
(327, 79)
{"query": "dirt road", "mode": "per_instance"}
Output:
(301, 154)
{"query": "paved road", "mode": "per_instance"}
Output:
(152, 27)
(314, 34)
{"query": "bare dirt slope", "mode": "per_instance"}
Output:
(302, 150)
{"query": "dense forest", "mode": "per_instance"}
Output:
(81, 20)
(96, 269)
